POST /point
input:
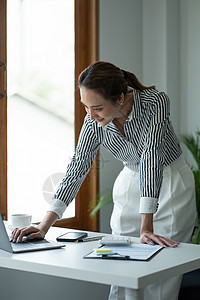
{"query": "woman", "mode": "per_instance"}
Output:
(154, 193)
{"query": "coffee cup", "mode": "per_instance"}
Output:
(20, 220)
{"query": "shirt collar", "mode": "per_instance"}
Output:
(135, 112)
(136, 109)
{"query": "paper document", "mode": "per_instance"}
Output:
(131, 252)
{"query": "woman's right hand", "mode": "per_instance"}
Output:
(30, 232)
(33, 232)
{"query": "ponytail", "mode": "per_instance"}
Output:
(133, 82)
(109, 80)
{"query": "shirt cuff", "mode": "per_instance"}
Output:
(58, 207)
(148, 205)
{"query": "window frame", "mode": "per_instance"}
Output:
(3, 112)
(86, 14)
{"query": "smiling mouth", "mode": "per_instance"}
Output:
(100, 120)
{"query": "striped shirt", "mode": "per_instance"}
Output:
(148, 146)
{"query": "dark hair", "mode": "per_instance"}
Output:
(109, 80)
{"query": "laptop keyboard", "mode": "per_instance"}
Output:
(28, 244)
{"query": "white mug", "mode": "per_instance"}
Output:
(20, 220)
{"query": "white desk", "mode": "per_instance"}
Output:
(69, 263)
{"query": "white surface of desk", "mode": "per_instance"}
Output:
(69, 263)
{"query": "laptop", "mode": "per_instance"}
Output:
(26, 245)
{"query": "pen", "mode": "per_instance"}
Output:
(115, 256)
(91, 239)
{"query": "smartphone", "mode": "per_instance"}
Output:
(71, 236)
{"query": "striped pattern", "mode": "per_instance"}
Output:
(150, 145)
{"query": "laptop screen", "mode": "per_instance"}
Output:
(4, 240)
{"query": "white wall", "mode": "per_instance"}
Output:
(190, 65)
(159, 41)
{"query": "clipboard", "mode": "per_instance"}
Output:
(138, 252)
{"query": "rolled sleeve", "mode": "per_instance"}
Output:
(148, 205)
(57, 207)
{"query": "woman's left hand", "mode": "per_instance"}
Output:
(151, 238)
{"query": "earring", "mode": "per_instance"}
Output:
(121, 103)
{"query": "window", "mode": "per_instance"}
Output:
(40, 77)
(86, 37)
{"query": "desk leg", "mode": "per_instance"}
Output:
(137, 294)
(117, 292)
(132, 294)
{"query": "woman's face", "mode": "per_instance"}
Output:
(103, 111)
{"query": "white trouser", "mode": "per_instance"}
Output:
(174, 219)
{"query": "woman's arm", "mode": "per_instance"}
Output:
(33, 232)
(78, 168)
(147, 236)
